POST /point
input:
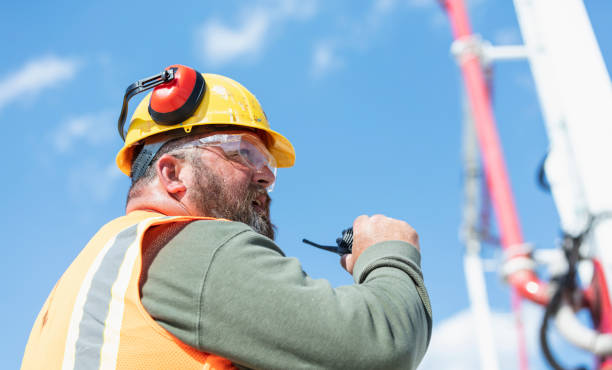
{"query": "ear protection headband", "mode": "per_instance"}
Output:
(177, 93)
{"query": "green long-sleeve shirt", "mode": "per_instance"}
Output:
(222, 288)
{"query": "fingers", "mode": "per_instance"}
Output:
(371, 230)
(379, 228)
(360, 220)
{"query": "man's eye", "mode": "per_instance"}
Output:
(246, 153)
(232, 155)
(251, 155)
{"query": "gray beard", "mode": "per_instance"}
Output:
(214, 199)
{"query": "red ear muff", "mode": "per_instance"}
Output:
(175, 101)
(178, 91)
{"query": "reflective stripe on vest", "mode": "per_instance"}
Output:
(102, 294)
(107, 284)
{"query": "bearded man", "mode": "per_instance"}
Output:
(191, 278)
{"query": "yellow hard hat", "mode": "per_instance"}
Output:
(224, 102)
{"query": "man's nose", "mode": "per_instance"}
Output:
(264, 178)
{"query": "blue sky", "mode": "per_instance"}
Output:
(366, 91)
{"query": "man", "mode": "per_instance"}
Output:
(191, 277)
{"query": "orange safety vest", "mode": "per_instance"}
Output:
(94, 319)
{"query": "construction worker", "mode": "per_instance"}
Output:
(190, 277)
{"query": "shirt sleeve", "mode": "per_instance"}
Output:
(222, 288)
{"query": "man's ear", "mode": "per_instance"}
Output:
(168, 172)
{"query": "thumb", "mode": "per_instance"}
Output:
(347, 262)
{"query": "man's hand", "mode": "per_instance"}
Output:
(368, 231)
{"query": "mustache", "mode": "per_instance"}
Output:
(254, 192)
(258, 220)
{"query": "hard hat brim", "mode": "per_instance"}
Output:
(278, 145)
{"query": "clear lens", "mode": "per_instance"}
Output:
(241, 148)
(257, 156)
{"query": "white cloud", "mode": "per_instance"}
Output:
(220, 43)
(327, 52)
(93, 129)
(454, 344)
(359, 34)
(94, 182)
(301, 9)
(324, 59)
(77, 142)
(36, 76)
(379, 10)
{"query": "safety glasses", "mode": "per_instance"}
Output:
(240, 148)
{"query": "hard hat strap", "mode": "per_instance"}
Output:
(144, 158)
(138, 87)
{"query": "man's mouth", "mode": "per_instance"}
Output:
(260, 203)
